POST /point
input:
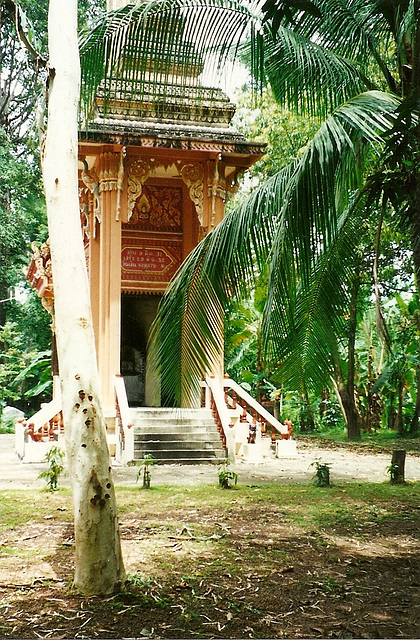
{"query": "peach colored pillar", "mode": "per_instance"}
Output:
(109, 282)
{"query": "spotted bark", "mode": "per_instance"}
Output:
(99, 565)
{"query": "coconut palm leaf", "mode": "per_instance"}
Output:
(318, 61)
(188, 330)
(309, 281)
(305, 329)
(331, 168)
(292, 222)
(301, 71)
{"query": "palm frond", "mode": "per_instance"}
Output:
(188, 330)
(304, 292)
(308, 76)
(359, 31)
(190, 316)
(334, 54)
(303, 328)
(328, 172)
(289, 222)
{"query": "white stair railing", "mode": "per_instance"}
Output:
(46, 425)
(216, 402)
(123, 426)
(241, 420)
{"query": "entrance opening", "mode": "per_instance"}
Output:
(137, 314)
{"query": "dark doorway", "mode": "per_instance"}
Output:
(137, 314)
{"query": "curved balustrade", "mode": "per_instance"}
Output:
(240, 419)
(124, 434)
(35, 434)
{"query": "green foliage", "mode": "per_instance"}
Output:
(285, 133)
(138, 580)
(25, 376)
(146, 470)
(322, 474)
(227, 477)
(6, 426)
(36, 373)
(54, 457)
(394, 473)
(332, 417)
(31, 320)
(390, 375)
(22, 213)
(244, 360)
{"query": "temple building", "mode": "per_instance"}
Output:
(157, 162)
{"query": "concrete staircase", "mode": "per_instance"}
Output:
(176, 436)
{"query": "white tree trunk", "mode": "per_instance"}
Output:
(99, 566)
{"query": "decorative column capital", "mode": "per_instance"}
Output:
(108, 169)
(193, 177)
(138, 170)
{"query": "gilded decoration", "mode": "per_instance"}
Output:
(111, 175)
(120, 182)
(91, 181)
(193, 176)
(108, 171)
(216, 189)
(39, 274)
(158, 207)
(85, 207)
(138, 170)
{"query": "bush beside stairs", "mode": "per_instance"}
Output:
(176, 436)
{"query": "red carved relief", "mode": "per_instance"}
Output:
(158, 207)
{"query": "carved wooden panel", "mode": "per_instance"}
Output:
(158, 208)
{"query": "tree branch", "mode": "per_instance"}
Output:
(15, 16)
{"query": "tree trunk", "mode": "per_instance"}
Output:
(397, 469)
(307, 420)
(399, 423)
(99, 566)
(350, 412)
(345, 392)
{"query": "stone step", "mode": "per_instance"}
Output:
(175, 434)
(162, 426)
(176, 414)
(177, 455)
(175, 443)
(188, 460)
(192, 445)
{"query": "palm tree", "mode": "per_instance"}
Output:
(354, 64)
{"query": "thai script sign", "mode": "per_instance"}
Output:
(145, 260)
(148, 260)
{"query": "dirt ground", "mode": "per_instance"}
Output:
(240, 566)
(347, 465)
